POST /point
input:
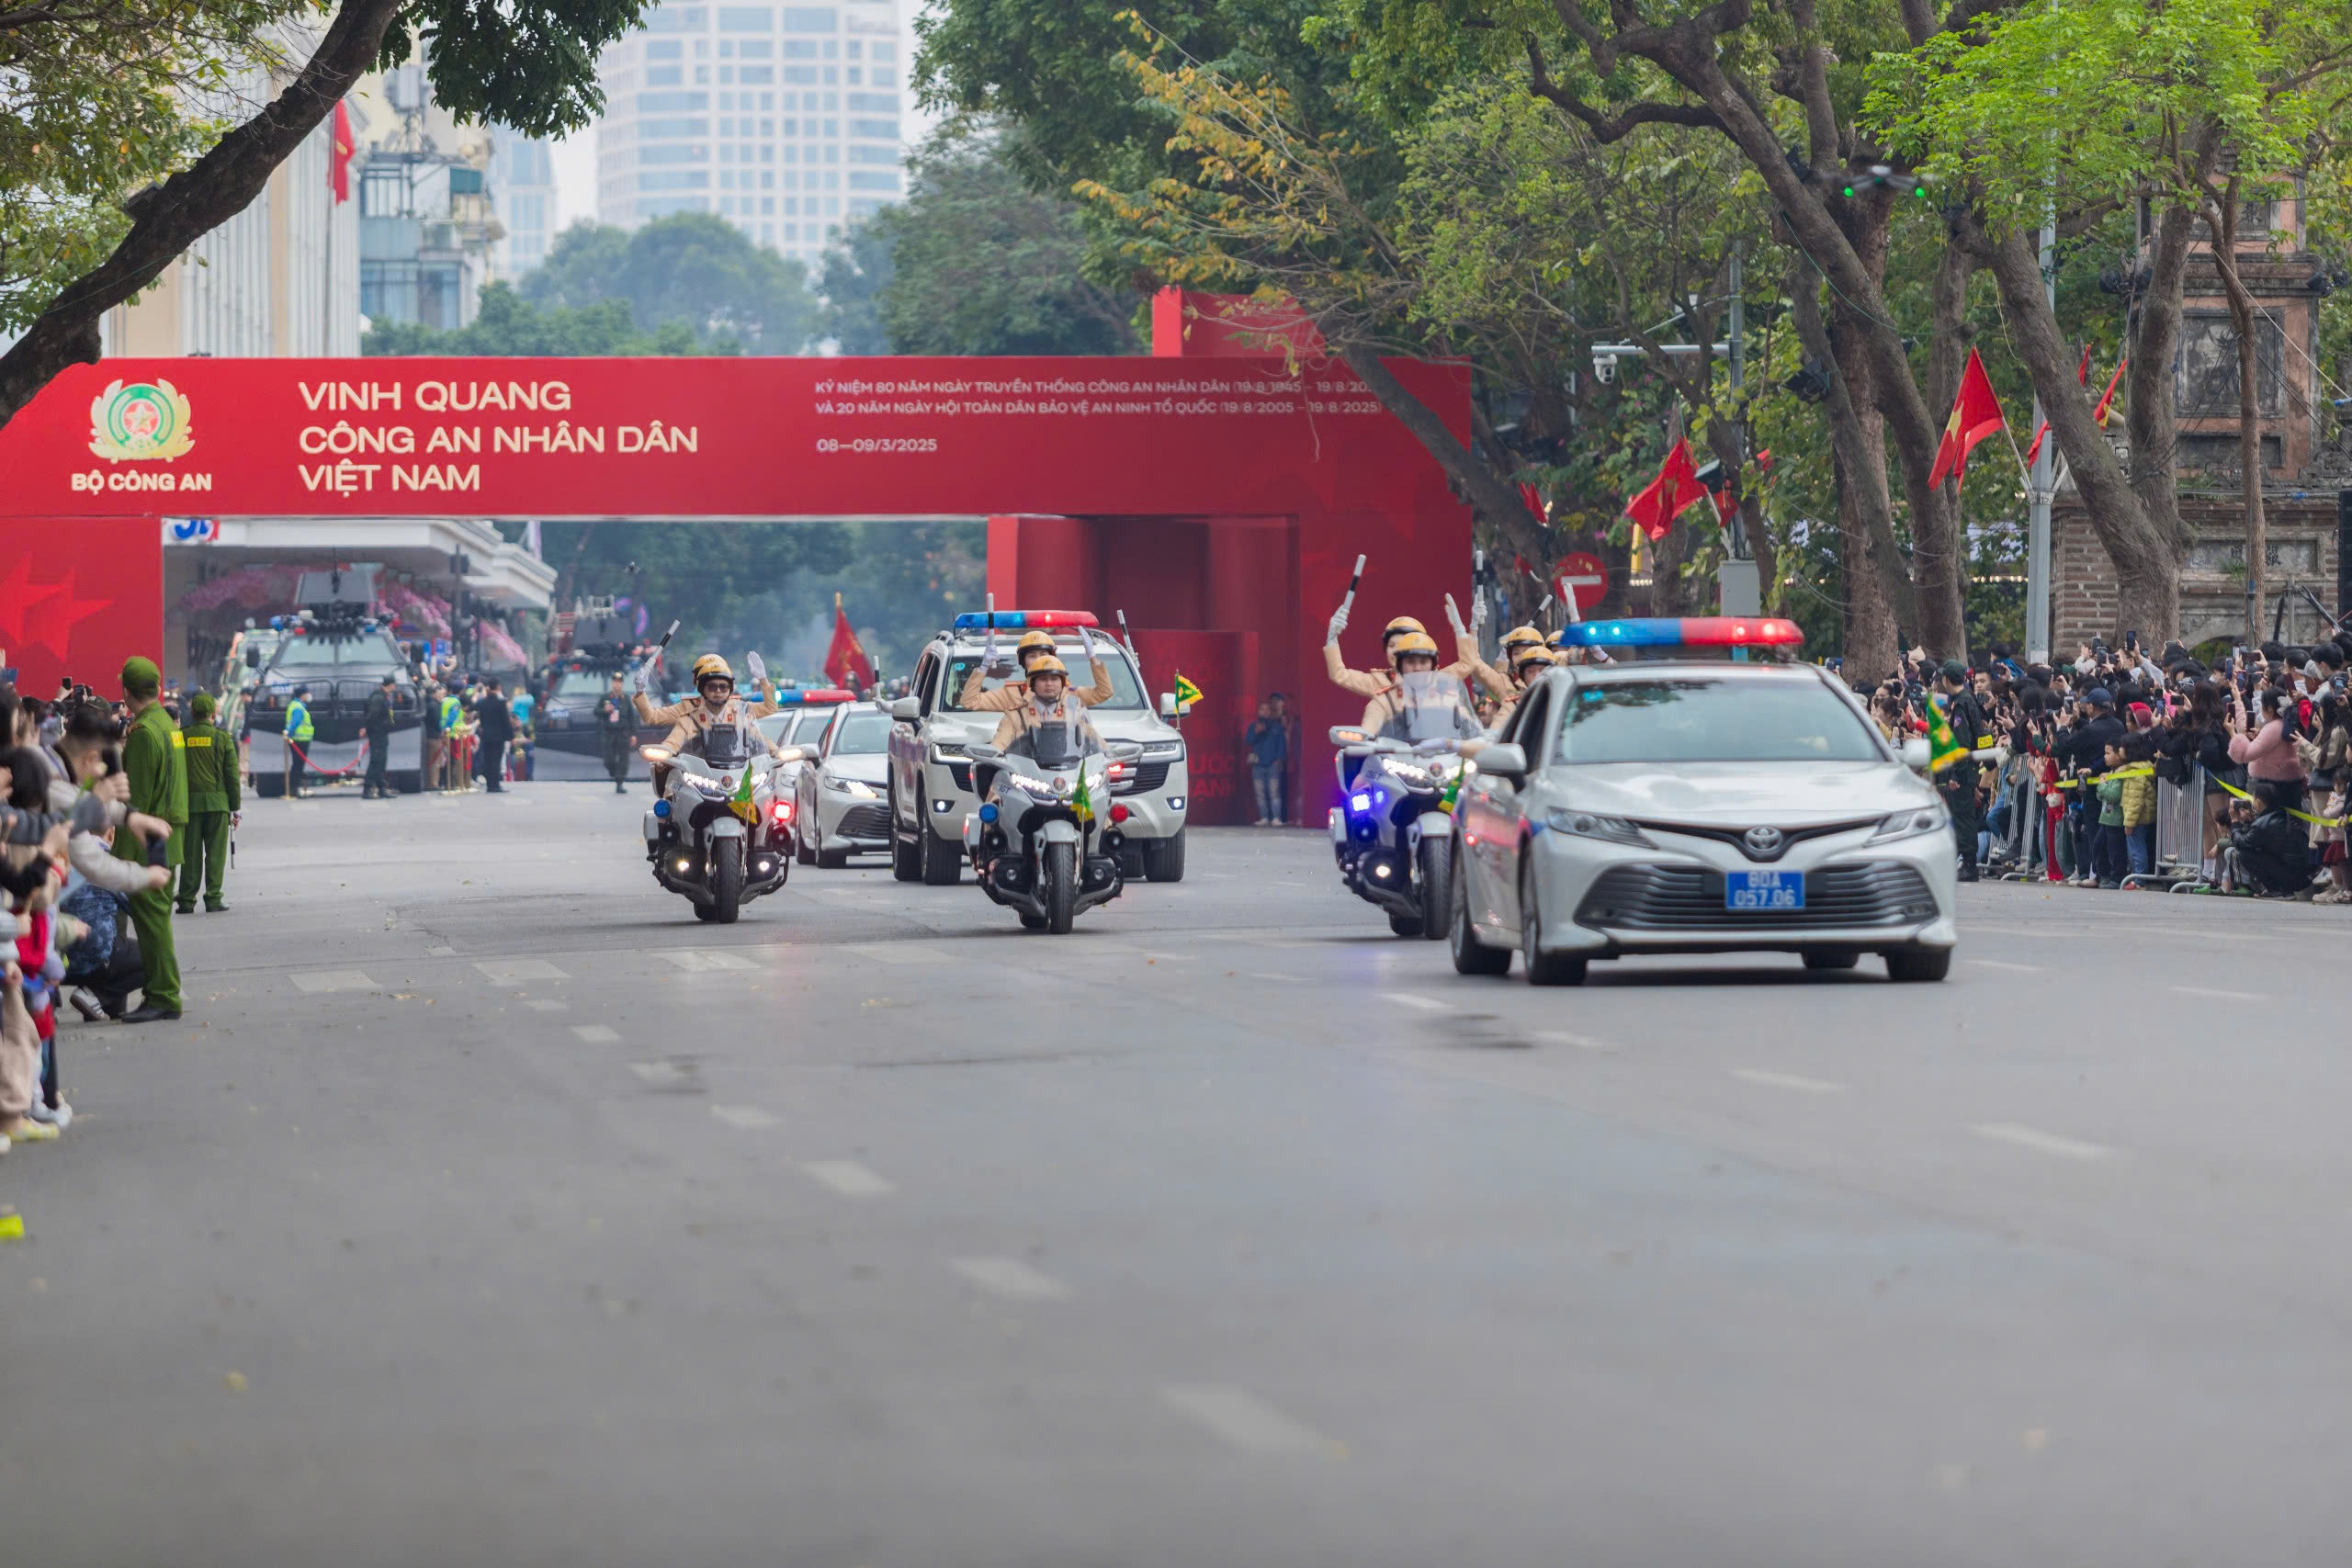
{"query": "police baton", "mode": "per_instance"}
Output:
(1349, 602)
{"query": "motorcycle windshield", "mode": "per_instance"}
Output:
(1428, 706)
(725, 746)
(1053, 743)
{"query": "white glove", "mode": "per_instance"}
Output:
(636, 681)
(1453, 617)
(1086, 640)
(987, 650)
(1478, 611)
(1339, 623)
(757, 665)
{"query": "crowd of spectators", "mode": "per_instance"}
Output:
(2071, 761)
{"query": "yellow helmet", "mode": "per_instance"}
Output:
(1048, 664)
(1030, 643)
(1399, 626)
(1520, 636)
(710, 665)
(1536, 655)
(1414, 641)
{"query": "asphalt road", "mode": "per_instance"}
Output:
(486, 1209)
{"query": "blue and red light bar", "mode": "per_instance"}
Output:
(1023, 620)
(813, 697)
(1684, 631)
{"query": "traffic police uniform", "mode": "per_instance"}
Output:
(1957, 784)
(299, 731)
(212, 798)
(155, 756)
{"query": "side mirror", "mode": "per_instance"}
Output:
(906, 710)
(1168, 705)
(1917, 754)
(253, 657)
(1504, 761)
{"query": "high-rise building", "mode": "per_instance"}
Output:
(522, 188)
(426, 220)
(783, 119)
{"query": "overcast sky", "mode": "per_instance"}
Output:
(575, 157)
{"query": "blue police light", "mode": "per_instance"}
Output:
(1022, 620)
(1359, 803)
(1684, 631)
(813, 697)
(988, 812)
(662, 809)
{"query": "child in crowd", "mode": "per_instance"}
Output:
(2139, 803)
(2108, 856)
(2332, 841)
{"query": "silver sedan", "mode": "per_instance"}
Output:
(1689, 807)
(841, 798)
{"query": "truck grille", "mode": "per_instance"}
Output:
(865, 822)
(1689, 898)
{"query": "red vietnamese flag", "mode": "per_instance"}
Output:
(1975, 414)
(2082, 379)
(845, 660)
(339, 152)
(1664, 498)
(2107, 399)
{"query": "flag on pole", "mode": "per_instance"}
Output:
(1534, 499)
(1975, 414)
(1665, 498)
(2107, 399)
(845, 660)
(339, 153)
(2082, 379)
(1943, 747)
(1186, 693)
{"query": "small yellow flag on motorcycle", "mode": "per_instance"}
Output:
(1943, 747)
(1186, 693)
(742, 803)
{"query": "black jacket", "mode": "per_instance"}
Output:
(2085, 746)
(2274, 850)
(494, 721)
(378, 719)
(614, 717)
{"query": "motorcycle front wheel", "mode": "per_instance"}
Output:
(726, 881)
(1058, 868)
(1437, 888)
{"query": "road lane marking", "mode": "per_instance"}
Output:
(2042, 1141)
(665, 1074)
(1581, 1041)
(1427, 1004)
(698, 960)
(1245, 1421)
(506, 971)
(1273, 974)
(847, 1177)
(751, 1118)
(1795, 1082)
(441, 953)
(2011, 968)
(898, 952)
(323, 980)
(2217, 996)
(545, 1004)
(1011, 1279)
(596, 1034)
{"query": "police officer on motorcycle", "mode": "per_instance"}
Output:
(1013, 695)
(1423, 703)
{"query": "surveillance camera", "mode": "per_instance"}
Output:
(1604, 368)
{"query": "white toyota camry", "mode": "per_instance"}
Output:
(1689, 807)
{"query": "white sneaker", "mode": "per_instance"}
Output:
(85, 1004)
(60, 1117)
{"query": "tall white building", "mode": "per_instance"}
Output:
(782, 118)
(522, 188)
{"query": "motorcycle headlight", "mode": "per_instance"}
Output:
(1411, 775)
(1588, 825)
(706, 783)
(1912, 823)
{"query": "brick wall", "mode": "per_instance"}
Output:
(2301, 530)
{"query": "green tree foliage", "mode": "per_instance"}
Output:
(978, 263)
(509, 324)
(129, 130)
(857, 269)
(692, 268)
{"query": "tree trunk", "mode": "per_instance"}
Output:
(167, 218)
(1938, 536)
(1768, 556)
(2151, 423)
(1874, 645)
(2147, 565)
(2222, 222)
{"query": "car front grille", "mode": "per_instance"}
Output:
(1691, 898)
(1148, 777)
(865, 822)
(962, 773)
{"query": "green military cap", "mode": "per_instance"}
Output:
(203, 706)
(141, 678)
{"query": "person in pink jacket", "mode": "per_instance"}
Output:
(2269, 753)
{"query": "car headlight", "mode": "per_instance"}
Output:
(857, 787)
(1587, 825)
(940, 752)
(1164, 752)
(1911, 823)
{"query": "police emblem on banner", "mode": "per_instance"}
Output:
(139, 422)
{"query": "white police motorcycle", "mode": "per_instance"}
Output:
(720, 836)
(1046, 841)
(1392, 831)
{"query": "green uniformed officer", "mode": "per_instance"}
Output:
(214, 802)
(155, 756)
